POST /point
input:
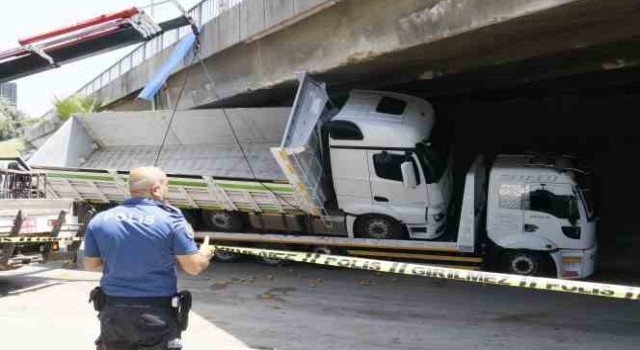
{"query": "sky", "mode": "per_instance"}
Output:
(20, 19)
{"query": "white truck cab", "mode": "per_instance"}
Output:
(386, 174)
(539, 207)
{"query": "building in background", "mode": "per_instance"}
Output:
(10, 92)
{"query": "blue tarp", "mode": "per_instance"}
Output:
(153, 86)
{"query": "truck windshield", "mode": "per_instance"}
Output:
(587, 200)
(583, 189)
(585, 193)
(434, 160)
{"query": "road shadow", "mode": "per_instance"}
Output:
(32, 278)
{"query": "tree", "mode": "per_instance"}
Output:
(11, 120)
(75, 104)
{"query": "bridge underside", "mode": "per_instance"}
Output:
(440, 48)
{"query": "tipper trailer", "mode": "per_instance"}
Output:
(373, 177)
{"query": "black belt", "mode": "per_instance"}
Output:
(139, 301)
(181, 306)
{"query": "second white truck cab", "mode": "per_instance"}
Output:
(539, 206)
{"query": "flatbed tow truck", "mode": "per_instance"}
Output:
(373, 178)
(33, 228)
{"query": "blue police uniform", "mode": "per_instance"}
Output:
(137, 242)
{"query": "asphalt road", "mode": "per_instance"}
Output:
(308, 307)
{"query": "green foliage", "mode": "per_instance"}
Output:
(75, 104)
(12, 148)
(30, 121)
(11, 120)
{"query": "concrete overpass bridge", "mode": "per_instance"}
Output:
(253, 48)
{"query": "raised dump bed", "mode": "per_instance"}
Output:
(89, 157)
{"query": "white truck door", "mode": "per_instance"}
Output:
(387, 190)
(351, 183)
(547, 213)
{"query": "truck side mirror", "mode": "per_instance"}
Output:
(408, 175)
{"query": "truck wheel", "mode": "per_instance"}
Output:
(524, 262)
(273, 261)
(226, 257)
(224, 221)
(325, 250)
(328, 250)
(378, 227)
(191, 217)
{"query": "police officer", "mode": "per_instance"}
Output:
(138, 244)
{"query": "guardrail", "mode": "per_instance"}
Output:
(47, 126)
(203, 12)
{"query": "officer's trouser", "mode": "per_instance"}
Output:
(132, 325)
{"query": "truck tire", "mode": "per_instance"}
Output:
(525, 263)
(273, 261)
(326, 250)
(191, 217)
(223, 221)
(378, 227)
(226, 257)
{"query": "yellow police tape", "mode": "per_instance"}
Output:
(24, 240)
(501, 279)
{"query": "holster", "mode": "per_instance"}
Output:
(98, 298)
(181, 305)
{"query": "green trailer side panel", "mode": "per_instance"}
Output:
(251, 196)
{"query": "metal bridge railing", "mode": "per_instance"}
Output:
(203, 12)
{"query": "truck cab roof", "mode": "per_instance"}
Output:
(534, 168)
(382, 120)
